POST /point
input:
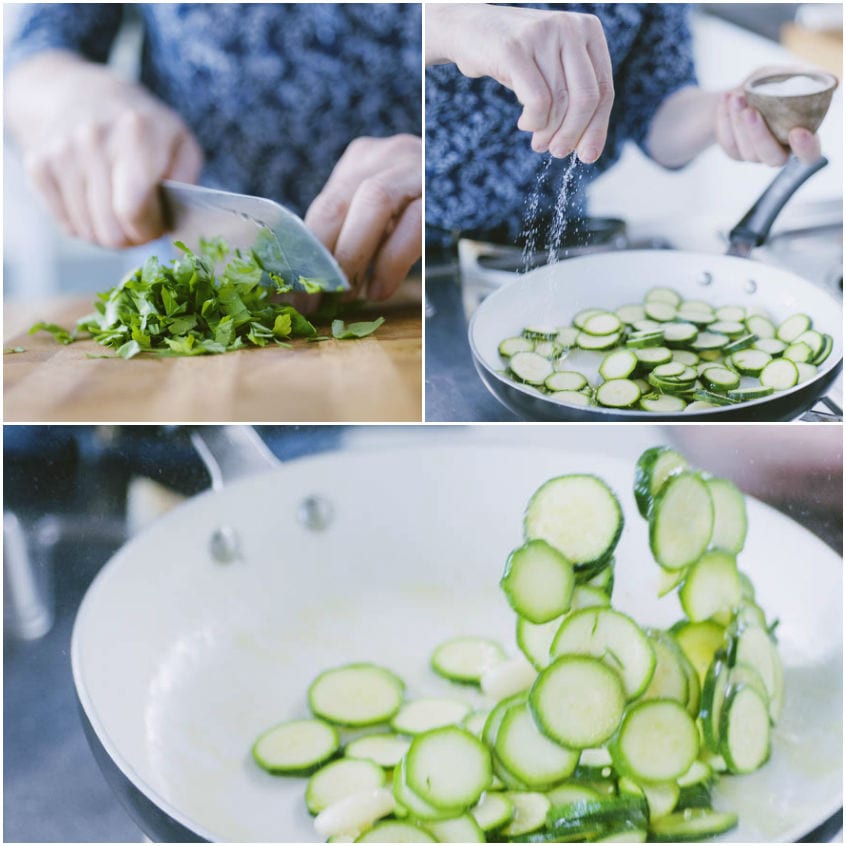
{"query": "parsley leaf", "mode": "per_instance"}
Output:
(355, 330)
(13, 350)
(58, 332)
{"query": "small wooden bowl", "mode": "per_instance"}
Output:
(784, 112)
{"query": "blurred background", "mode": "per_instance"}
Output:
(75, 494)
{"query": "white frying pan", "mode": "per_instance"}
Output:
(553, 294)
(181, 660)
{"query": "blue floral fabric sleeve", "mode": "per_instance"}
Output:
(84, 28)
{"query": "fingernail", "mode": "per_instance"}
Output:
(588, 155)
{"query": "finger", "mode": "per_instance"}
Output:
(596, 132)
(186, 159)
(98, 186)
(41, 175)
(528, 83)
(549, 61)
(767, 148)
(325, 216)
(805, 145)
(71, 182)
(378, 200)
(582, 101)
(136, 170)
(724, 131)
(737, 105)
(399, 252)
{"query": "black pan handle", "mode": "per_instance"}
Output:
(754, 227)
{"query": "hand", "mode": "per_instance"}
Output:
(98, 149)
(370, 212)
(744, 135)
(557, 63)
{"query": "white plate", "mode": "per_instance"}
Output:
(181, 662)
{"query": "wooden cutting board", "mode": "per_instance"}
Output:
(371, 379)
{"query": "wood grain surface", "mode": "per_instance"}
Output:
(372, 379)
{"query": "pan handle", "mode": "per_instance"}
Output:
(752, 230)
(232, 452)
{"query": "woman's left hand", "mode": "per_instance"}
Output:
(745, 136)
(370, 213)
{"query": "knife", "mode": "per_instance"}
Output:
(275, 235)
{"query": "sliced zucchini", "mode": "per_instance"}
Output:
(709, 341)
(535, 640)
(730, 522)
(630, 314)
(618, 364)
(385, 749)
(740, 343)
(475, 721)
(679, 333)
(654, 467)
(577, 701)
(540, 333)
(691, 359)
(565, 380)
(463, 829)
(578, 515)
(652, 356)
(780, 374)
(582, 317)
(512, 676)
(566, 336)
(720, 378)
(825, 352)
(465, 659)
(681, 521)
(597, 342)
(712, 588)
(772, 346)
(613, 638)
(732, 328)
(538, 581)
(814, 340)
(645, 340)
(530, 367)
(753, 392)
(700, 642)
(586, 596)
(448, 767)
(661, 311)
(566, 794)
(577, 398)
(618, 393)
(604, 323)
(806, 372)
(512, 346)
(793, 327)
(587, 819)
(298, 747)
(670, 679)
(534, 759)
(492, 811)
(663, 295)
(692, 826)
(754, 646)
(750, 362)
(730, 313)
(340, 779)
(798, 352)
(530, 810)
(760, 326)
(423, 715)
(408, 802)
(356, 695)
(657, 741)
(396, 831)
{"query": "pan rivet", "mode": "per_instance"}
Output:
(224, 545)
(751, 286)
(705, 278)
(315, 513)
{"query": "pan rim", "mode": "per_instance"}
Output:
(633, 414)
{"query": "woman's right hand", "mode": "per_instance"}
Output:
(557, 64)
(98, 153)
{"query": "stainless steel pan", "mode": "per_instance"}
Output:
(553, 294)
(182, 655)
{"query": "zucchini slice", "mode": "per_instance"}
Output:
(538, 581)
(534, 759)
(298, 747)
(657, 741)
(492, 811)
(356, 812)
(730, 521)
(691, 826)
(681, 521)
(463, 829)
(385, 749)
(530, 810)
(577, 701)
(396, 831)
(578, 515)
(613, 638)
(535, 640)
(712, 588)
(356, 695)
(618, 393)
(340, 779)
(653, 468)
(448, 767)
(423, 715)
(465, 659)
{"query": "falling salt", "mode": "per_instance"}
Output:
(558, 225)
(530, 216)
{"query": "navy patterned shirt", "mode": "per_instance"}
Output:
(480, 169)
(273, 92)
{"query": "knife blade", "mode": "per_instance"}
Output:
(274, 234)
